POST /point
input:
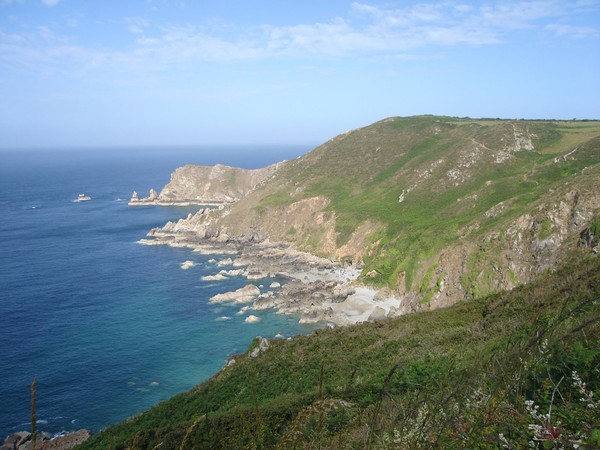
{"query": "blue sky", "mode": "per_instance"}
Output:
(142, 72)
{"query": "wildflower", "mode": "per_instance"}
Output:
(587, 396)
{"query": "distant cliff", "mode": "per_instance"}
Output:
(218, 184)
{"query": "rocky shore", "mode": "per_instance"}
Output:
(153, 199)
(23, 440)
(317, 289)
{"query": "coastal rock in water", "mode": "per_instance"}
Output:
(187, 264)
(243, 295)
(217, 277)
(255, 275)
(252, 319)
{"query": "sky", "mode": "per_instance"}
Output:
(206, 72)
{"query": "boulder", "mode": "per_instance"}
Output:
(378, 314)
(341, 292)
(252, 319)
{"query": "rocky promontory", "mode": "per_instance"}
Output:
(206, 185)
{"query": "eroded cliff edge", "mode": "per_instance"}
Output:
(207, 185)
(426, 210)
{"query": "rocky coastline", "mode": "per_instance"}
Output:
(23, 440)
(153, 199)
(286, 280)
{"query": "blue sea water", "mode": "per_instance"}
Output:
(107, 327)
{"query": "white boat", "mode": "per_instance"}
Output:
(83, 198)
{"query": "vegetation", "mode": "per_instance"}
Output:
(511, 370)
(426, 180)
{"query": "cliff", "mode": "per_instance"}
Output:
(207, 185)
(437, 209)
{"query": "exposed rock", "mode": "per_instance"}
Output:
(243, 310)
(315, 315)
(378, 314)
(256, 275)
(341, 292)
(261, 347)
(383, 294)
(589, 240)
(252, 319)
(187, 264)
(22, 440)
(217, 277)
(213, 184)
(67, 441)
(233, 272)
(243, 295)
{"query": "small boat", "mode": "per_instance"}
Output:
(83, 198)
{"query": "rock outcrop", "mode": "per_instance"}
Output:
(206, 185)
(243, 295)
(23, 440)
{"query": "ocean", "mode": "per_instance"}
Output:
(108, 327)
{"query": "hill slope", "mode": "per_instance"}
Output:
(438, 209)
(466, 376)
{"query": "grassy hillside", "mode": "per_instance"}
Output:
(403, 191)
(505, 369)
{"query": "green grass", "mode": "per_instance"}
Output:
(595, 228)
(364, 173)
(451, 378)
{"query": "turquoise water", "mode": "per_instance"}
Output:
(107, 326)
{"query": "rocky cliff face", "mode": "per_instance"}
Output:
(435, 209)
(214, 184)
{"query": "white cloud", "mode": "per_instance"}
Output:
(51, 2)
(573, 31)
(369, 30)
